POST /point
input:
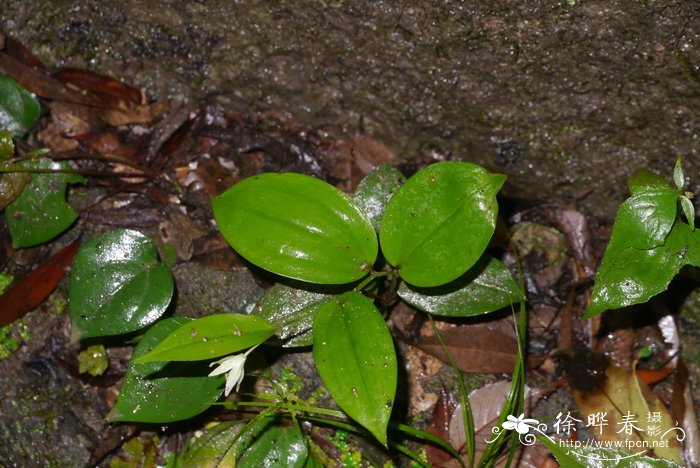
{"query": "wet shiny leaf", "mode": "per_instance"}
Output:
(267, 443)
(117, 285)
(7, 146)
(297, 226)
(41, 211)
(486, 287)
(678, 177)
(214, 447)
(437, 225)
(630, 276)
(355, 356)
(291, 311)
(375, 191)
(164, 392)
(210, 337)
(19, 110)
(645, 219)
(688, 210)
(646, 181)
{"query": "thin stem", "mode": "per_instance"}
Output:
(372, 276)
(304, 408)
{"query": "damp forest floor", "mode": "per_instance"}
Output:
(153, 165)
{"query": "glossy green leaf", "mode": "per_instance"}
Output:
(375, 191)
(269, 443)
(688, 210)
(439, 222)
(587, 456)
(297, 226)
(117, 285)
(19, 110)
(678, 177)
(291, 311)
(164, 392)
(7, 146)
(41, 211)
(355, 356)
(630, 276)
(211, 336)
(646, 181)
(486, 287)
(645, 219)
(11, 186)
(213, 447)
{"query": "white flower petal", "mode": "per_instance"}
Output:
(234, 378)
(509, 425)
(522, 428)
(227, 364)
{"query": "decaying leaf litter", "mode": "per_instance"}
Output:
(154, 166)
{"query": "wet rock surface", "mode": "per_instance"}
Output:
(563, 97)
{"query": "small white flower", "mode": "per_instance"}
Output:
(232, 366)
(520, 424)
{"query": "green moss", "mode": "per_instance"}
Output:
(93, 360)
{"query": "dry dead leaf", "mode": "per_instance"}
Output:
(102, 90)
(477, 348)
(487, 403)
(630, 412)
(439, 425)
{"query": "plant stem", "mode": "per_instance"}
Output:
(372, 276)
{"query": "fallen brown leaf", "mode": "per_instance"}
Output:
(29, 292)
(476, 348)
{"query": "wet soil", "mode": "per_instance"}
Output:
(565, 97)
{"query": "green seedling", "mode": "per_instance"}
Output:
(650, 243)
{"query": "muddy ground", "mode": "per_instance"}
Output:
(567, 98)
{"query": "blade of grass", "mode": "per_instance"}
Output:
(467, 414)
(515, 400)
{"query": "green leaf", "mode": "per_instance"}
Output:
(645, 181)
(7, 146)
(211, 336)
(164, 392)
(630, 276)
(646, 218)
(678, 176)
(584, 456)
(267, 443)
(291, 311)
(297, 226)
(41, 212)
(19, 110)
(688, 210)
(117, 285)
(213, 447)
(486, 287)
(355, 356)
(439, 222)
(375, 191)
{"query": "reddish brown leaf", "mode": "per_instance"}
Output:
(37, 82)
(439, 425)
(652, 376)
(17, 50)
(103, 90)
(29, 292)
(476, 348)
